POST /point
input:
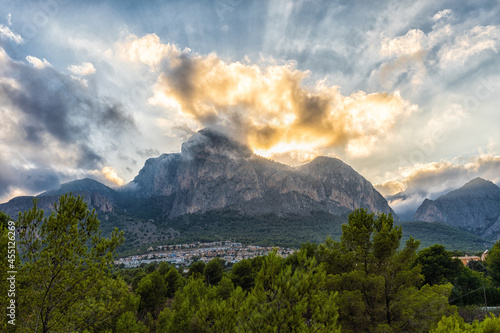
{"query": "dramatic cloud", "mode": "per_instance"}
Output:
(52, 127)
(269, 106)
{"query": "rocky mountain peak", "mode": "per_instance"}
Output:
(328, 166)
(477, 187)
(475, 207)
(94, 193)
(214, 171)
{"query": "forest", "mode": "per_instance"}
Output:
(368, 281)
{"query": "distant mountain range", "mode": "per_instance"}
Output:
(216, 182)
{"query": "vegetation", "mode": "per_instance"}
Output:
(64, 280)
(363, 281)
(267, 230)
(439, 233)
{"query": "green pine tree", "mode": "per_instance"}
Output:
(64, 279)
(377, 284)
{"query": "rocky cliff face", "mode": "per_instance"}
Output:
(214, 172)
(475, 208)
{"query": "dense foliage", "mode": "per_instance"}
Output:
(367, 281)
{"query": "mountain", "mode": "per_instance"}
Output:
(217, 187)
(475, 207)
(97, 196)
(214, 172)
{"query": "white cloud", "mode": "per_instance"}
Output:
(472, 42)
(414, 41)
(6, 33)
(444, 48)
(407, 205)
(37, 63)
(148, 50)
(84, 69)
(441, 14)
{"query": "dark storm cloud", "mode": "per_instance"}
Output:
(88, 158)
(39, 179)
(55, 122)
(55, 104)
(47, 101)
(114, 116)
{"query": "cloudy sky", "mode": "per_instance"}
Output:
(407, 93)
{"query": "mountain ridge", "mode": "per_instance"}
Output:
(474, 207)
(214, 172)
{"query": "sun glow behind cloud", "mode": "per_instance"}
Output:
(267, 105)
(109, 173)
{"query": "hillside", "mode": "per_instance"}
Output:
(475, 208)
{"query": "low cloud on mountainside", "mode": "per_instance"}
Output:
(435, 179)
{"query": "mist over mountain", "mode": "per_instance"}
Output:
(214, 172)
(475, 207)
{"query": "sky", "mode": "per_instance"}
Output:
(406, 92)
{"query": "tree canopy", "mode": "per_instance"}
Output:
(377, 284)
(365, 282)
(64, 278)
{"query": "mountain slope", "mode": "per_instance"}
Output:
(475, 207)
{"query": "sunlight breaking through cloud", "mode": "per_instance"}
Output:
(268, 106)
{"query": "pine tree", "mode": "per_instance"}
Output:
(287, 300)
(378, 285)
(64, 279)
